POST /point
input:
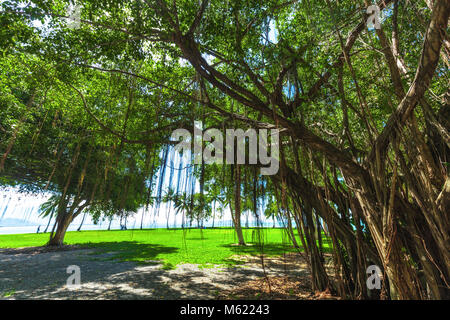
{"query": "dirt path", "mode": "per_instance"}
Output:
(41, 274)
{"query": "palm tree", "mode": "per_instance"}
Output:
(150, 202)
(48, 208)
(201, 209)
(182, 203)
(215, 194)
(271, 210)
(168, 198)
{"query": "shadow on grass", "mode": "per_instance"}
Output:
(270, 249)
(254, 249)
(132, 251)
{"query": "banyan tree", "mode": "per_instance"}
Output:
(363, 114)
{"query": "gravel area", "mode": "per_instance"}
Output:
(39, 273)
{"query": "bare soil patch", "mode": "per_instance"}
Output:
(41, 273)
(293, 284)
(42, 249)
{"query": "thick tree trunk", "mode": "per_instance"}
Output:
(57, 239)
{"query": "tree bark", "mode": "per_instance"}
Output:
(58, 237)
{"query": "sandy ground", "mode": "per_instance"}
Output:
(42, 274)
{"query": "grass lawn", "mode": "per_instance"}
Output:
(206, 247)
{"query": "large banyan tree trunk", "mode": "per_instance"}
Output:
(398, 192)
(66, 214)
(62, 223)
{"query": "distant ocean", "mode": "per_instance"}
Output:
(73, 227)
(33, 229)
(114, 226)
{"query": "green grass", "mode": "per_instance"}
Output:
(9, 293)
(206, 248)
